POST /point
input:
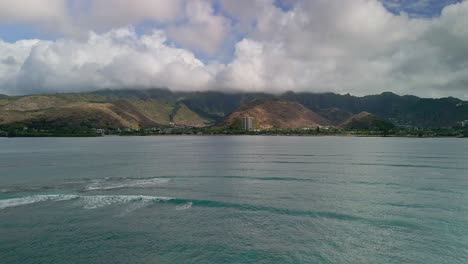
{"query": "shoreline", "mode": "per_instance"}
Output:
(237, 135)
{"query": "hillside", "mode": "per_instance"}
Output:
(366, 121)
(402, 110)
(84, 111)
(335, 115)
(185, 117)
(161, 107)
(276, 114)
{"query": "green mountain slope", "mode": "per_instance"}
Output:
(366, 121)
(129, 109)
(161, 107)
(277, 114)
(405, 110)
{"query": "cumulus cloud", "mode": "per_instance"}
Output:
(355, 46)
(117, 59)
(12, 57)
(324, 46)
(203, 30)
(245, 12)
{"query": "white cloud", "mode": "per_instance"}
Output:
(353, 46)
(47, 14)
(31, 10)
(203, 31)
(117, 59)
(245, 12)
(103, 15)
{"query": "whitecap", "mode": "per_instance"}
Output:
(109, 184)
(184, 206)
(19, 201)
(98, 201)
(88, 201)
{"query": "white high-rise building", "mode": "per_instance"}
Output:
(247, 123)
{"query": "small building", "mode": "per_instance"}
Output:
(464, 123)
(247, 123)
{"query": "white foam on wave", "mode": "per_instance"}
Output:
(109, 184)
(88, 202)
(184, 206)
(14, 202)
(98, 201)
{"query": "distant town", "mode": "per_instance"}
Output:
(246, 128)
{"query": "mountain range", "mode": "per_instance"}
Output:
(161, 107)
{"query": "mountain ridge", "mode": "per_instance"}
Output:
(159, 107)
(274, 114)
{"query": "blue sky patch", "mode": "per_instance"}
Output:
(418, 8)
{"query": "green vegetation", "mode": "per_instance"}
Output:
(23, 131)
(161, 112)
(446, 132)
(183, 115)
(465, 133)
(157, 110)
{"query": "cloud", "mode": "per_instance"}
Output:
(203, 30)
(117, 59)
(12, 57)
(47, 14)
(191, 24)
(322, 46)
(245, 12)
(355, 46)
(31, 10)
(104, 15)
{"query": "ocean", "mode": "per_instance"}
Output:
(233, 199)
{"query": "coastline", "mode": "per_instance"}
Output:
(446, 132)
(234, 135)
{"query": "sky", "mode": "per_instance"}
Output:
(361, 47)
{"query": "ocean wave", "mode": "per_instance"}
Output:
(19, 201)
(88, 202)
(247, 178)
(77, 185)
(111, 184)
(184, 206)
(135, 202)
(98, 201)
(241, 207)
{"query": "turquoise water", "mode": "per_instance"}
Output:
(233, 200)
